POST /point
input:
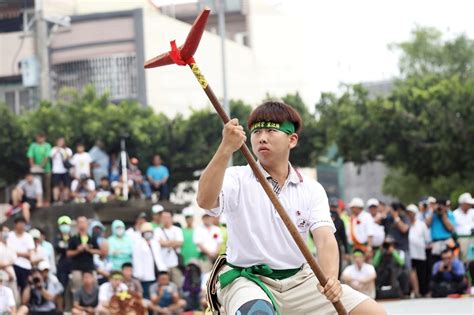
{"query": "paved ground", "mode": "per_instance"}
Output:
(447, 306)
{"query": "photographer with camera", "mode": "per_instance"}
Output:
(442, 223)
(449, 276)
(42, 294)
(392, 278)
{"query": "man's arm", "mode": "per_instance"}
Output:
(401, 226)
(328, 257)
(210, 183)
(446, 222)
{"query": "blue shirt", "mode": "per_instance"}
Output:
(157, 173)
(457, 269)
(438, 230)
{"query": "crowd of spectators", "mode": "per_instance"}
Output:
(154, 266)
(58, 175)
(393, 251)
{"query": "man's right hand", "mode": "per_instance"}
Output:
(233, 136)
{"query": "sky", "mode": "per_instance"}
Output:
(350, 39)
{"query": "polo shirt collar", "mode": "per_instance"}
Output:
(293, 177)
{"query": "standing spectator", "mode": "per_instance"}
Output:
(158, 175)
(132, 284)
(448, 276)
(147, 260)
(424, 211)
(189, 249)
(39, 254)
(108, 290)
(86, 298)
(120, 246)
(60, 156)
(208, 238)
(171, 239)
(373, 207)
(442, 223)
(38, 154)
(340, 234)
(81, 161)
(23, 244)
(83, 189)
(419, 238)
(103, 267)
(464, 217)
(360, 275)
(7, 299)
(61, 244)
(156, 216)
(134, 232)
(49, 250)
(7, 259)
(28, 195)
(43, 292)
(81, 249)
(361, 227)
(100, 161)
(165, 298)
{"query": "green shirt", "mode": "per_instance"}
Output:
(189, 249)
(38, 152)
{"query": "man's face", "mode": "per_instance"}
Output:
(356, 210)
(166, 219)
(411, 215)
(164, 279)
(189, 221)
(271, 145)
(359, 260)
(45, 274)
(80, 148)
(88, 279)
(104, 183)
(157, 217)
(29, 178)
(465, 206)
(20, 226)
(157, 160)
(127, 272)
(373, 210)
(207, 220)
(116, 281)
(60, 142)
(447, 258)
(40, 138)
(82, 224)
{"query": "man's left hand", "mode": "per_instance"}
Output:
(332, 290)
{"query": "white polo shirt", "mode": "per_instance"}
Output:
(362, 226)
(464, 221)
(256, 233)
(174, 233)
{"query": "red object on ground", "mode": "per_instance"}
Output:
(182, 55)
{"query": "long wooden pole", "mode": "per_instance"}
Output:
(268, 189)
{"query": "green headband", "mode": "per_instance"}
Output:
(287, 126)
(358, 254)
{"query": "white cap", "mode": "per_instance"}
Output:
(356, 203)
(465, 198)
(157, 208)
(188, 212)
(412, 208)
(431, 199)
(35, 233)
(43, 265)
(372, 202)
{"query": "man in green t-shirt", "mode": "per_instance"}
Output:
(40, 164)
(189, 249)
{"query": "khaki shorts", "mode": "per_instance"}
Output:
(296, 295)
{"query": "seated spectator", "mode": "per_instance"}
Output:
(208, 238)
(165, 297)
(103, 267)
(141, 188)
(23, 244)
(26, 196)
(360, 275)
(133, 285)
(147, 260)
(449, 276)
(119, 185)
(391, 277)
(104, 191)
(7, 300)
(107, 290)
(86, 298)
(158, 175)
(39, 254)
(83, 189)
(43, 292)
(120, 246)
(442, 223)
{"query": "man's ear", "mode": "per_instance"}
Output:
(293, 140)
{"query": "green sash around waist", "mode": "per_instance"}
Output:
(251, 273)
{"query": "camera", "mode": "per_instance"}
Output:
(386, 245)
(36, 280)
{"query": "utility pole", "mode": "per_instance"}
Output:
(221, 24)
(41, 47)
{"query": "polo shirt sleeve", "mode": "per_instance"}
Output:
(319, 209)
(228, 197)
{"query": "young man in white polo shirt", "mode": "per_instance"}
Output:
(361, 231)
(265, 271)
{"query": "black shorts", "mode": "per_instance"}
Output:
(61, 178)
(30, 201)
